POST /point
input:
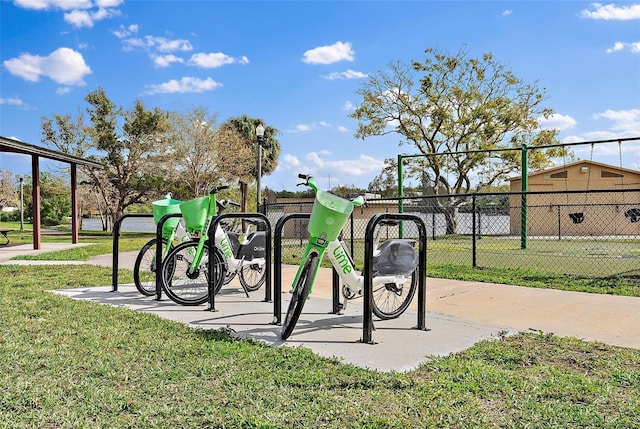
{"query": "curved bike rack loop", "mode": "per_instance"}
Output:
(267, 251)
(367, 324)
(116, 247)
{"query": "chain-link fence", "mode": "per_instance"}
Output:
(583, 233)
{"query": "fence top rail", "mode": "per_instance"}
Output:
(505, 149)
(488, 194)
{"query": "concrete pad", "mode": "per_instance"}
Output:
(326, 334)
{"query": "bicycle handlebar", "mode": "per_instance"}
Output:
(225, 203)
(310, 181)
(216, 189)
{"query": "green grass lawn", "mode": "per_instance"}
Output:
(68, 364)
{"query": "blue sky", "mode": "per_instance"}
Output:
(298, 64)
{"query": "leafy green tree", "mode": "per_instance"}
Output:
(246, 129)
(127, 142)
(453, 104)
(55, 199)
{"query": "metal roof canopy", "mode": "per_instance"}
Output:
(37, 152)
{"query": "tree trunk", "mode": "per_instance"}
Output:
(451, 218)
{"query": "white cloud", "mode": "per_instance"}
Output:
(634, 47)
(126, 31)
(64, 66)
(612, 12)
(290, 161)
(329, 54)
(80, 15)
(166, 60)
(308, 127)
(344, 170)
(184, 85)
(300, 128)
(349, 106)
(53, 4)
(63, 90)
(557, 121)
(343, 129)
(161, 44)
(108, 3)
(349, 74)
(624, 121)
(507, 12)
(214, 60)
(17, 102)
(11, 101)
(79, 18)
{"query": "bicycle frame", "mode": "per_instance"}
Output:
(222, 242)
(212, 211)
(337, 254)
(342, 262)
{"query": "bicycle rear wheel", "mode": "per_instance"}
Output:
(144, 270)
(391, 300)
(191, 288)
(252, 276)
(300, 294)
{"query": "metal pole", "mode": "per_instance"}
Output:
(524, 219)
(21, 204)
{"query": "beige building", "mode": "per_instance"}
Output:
(579, 214)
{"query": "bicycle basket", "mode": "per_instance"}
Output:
(165, 207)
(328, 215)
(194, 213)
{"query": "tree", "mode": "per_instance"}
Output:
(453, 104)
(203, 154)
(386, 183)
(55, 200)
(8, 194)
(246, 129)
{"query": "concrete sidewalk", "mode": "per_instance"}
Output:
(459, 315)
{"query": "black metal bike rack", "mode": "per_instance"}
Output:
(116, 247)
(267, 250)
(277, 270)
(367, 324)
(159, 265)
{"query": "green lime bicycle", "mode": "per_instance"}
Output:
(185, 270)
(173, 230)
(394, 261)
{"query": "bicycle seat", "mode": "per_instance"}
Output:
(396, 257)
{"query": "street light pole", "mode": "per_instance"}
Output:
(21, 205)
(260, 135)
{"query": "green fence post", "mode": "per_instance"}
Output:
(524, 219)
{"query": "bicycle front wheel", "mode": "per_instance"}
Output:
(144, 270)
(252, 276)
(391, 300)
(300, 294)
(187, 287)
